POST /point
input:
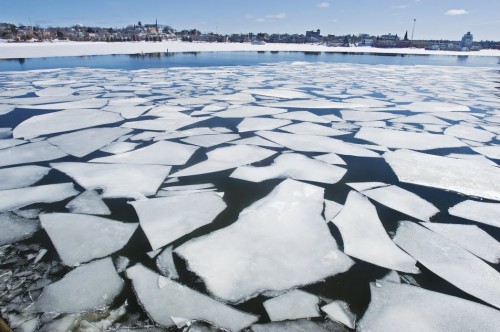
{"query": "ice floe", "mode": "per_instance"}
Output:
(256, 140)
(29, 153)
(80, 238)
(294, 166)
(299, 325)
(248, 111)
(168, 218)
(159, 153)
(313, 143)
(13, 199)
(88, 202)
(22, 176)
(304, 116)
(491, 151)
(116, 180)
(89, 287)
(119, 147)
(407, 140)
(226, 158)
(292, 305)
(15, 228)
(482, 212)
(469, 133)
(164, 299)
(367, 116)
(403, 201)
(83, 142)
(365, 238)
(277, 243)
(435, 106)
(255, 124)
(398, 307)
(450, 261)
(340, 312)
(210, 140)
(67, 120)
(463, 176)
(165, 264)
(279, 93)
(420, 119)
(471, 238)
(307, 128)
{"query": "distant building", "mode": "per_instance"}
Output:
(467, 40)
(313, 34)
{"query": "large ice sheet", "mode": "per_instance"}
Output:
(463, 176)
(67, 120)
(435, 106)
(15, 228)
(307, 128)
(79, 238)
(162, 124)
(88, 202)
(159, 153)
(92, 103)
(168, 218)
(81, 143)
(29, 153)
(279, 93)
(313, 104)
(403, 201)
(470, 133)
(55, 91)
(9, 142)
(292, 305)
(367, 115)
(22, 176)
(277, 243)
(13, 199)
(294, 166)
(210, 140)
(407, 140)
(303, 116)
(420, 119)
(491, 151)
(398, 307)
(450, 261)
(299, 325)
(313, 143)
(471, 238)
(254, 124)
(256, 140)
(226, 158)
(482, 212)
(164, 300)
(90, 287)
(331, 158)
(247, 111)
(116, 180)
(365, 238)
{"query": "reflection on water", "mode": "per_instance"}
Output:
(204, 59)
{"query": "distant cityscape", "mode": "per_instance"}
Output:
(156, 33)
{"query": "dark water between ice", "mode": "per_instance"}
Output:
(351, 286)
(204, 59)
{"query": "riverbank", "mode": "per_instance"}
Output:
(58, 49)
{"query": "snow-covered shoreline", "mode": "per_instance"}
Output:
(57, 49)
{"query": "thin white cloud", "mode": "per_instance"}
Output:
(399, 6)
(323, 5)
(279, 16)
(267, 18)
(454, 12)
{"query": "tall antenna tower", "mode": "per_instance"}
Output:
(413, 30)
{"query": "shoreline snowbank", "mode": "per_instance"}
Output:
(64, 48)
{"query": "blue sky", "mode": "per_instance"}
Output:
(436, 19)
